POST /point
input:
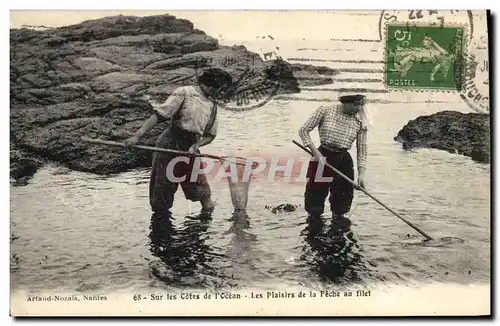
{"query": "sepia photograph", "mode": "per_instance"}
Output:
(250, 163)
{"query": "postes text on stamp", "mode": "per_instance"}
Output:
(424, 57)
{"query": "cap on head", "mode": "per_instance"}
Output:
(215, 77)
(352, 98)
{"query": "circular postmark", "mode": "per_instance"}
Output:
(475, 88)
(423, 34)
(251, 88)
(254, 81)
(439, 18)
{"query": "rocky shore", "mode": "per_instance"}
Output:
(466, 134)
(98, 79)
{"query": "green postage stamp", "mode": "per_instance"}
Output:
(424, 57)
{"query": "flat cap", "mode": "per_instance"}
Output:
(351, 98)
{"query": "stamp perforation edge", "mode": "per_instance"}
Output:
(465, 53)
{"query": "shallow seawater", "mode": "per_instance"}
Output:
(82, 232)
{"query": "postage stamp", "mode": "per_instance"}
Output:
(424, 56)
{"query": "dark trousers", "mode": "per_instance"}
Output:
(341, 191)
(161, 189)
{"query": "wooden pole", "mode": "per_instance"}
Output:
(154, 149)
(368, 194)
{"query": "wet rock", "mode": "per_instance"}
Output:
(461, 133)
(98, 79)
(282, 208)
(313, 75)
(317, 70)
(23, 166)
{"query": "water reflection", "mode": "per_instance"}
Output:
(241, 249)
(332, 250)
(184, 255)
(241, 243)
(240, 226)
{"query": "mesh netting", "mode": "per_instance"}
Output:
(239, 186)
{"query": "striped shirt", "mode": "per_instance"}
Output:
(337, 129)
(190, 108)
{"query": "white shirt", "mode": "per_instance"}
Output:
(189, 109)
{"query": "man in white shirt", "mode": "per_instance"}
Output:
(193, 124)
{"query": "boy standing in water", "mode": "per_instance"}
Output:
(193, 124)
(338, 126)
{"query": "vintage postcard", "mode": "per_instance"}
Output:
(250, 163)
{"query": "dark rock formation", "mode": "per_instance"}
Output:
(313, 75)
(455, 132)
(23, 166)
(99, 78)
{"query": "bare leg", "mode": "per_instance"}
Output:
(207, 203)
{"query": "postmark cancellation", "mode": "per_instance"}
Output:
(435, 51)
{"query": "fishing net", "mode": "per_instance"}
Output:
(239, 178)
